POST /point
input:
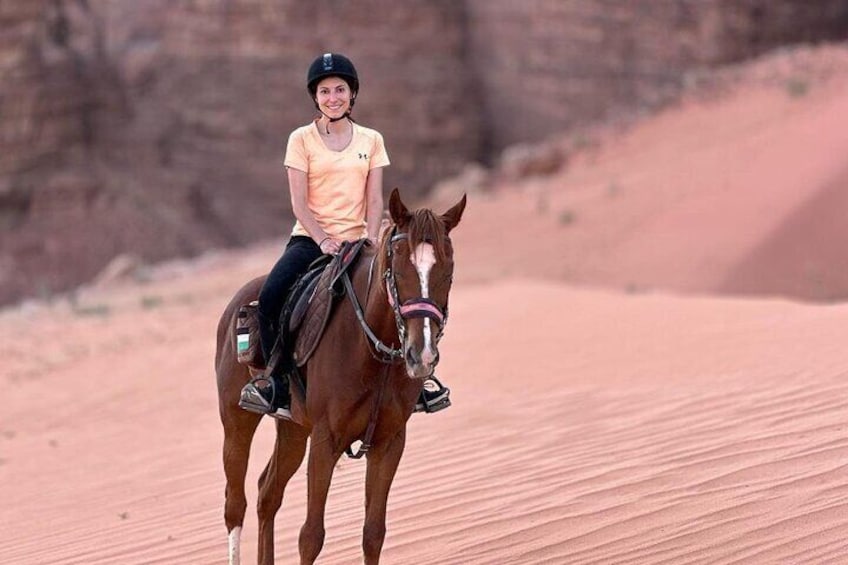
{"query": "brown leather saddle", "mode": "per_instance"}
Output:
(312, 301)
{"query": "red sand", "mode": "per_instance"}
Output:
(589, 425)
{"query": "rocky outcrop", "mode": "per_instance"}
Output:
(157, 127)
(548, 66)
(56, 88)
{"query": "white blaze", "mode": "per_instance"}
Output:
(424, 257)
(235, 545)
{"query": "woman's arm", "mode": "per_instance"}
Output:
(374, 202)
(300, 207)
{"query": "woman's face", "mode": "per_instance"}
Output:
(333, 96)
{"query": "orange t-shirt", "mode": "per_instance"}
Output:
(336, 179)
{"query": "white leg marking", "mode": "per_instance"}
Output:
(235, 546)
(424, 258)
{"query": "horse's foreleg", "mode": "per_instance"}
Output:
(288, 453)
(322, 460)
(382, 466)
(238, 435)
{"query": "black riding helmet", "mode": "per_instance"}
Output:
(332, 65)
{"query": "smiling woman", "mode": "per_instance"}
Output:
(334, 99)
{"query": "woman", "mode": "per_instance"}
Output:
(335, 173)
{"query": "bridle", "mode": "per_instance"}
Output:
(414, 307)
(419, 307)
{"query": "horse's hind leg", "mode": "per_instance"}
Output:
(288, 454)
(380, 473)
(239, 427)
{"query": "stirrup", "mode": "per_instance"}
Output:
(252, 400)
(432, 406)
(436, 403)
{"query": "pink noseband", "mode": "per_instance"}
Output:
(421, 308)
(417, 308)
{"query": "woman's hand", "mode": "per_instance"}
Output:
(330, 246)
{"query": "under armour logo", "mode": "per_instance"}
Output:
(363, 155)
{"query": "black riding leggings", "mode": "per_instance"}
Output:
(300, 252)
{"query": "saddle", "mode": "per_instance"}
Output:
(310, 308)
(306, 311)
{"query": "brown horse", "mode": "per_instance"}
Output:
(363, 382)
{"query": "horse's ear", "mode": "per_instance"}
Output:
(452, 216)
(397, 209)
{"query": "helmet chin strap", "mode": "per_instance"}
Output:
(332, 120)
(346, 114)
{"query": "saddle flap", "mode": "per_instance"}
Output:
(301, 303)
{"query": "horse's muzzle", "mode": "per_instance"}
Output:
(420, 365)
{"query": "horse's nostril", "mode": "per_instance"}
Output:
(429, 357)
(412, 357)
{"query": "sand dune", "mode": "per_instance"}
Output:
(588, 427)
(599, 416)
(736, 191)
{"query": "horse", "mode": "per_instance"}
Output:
(362, 382)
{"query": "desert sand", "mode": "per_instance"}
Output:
(646, 353)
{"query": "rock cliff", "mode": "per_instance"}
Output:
(157, 127)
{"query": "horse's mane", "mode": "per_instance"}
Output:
(423, 226)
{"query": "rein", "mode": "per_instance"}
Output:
(412, 308)
(389, 357)
(389, 353)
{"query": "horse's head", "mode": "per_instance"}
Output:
(418, 273)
